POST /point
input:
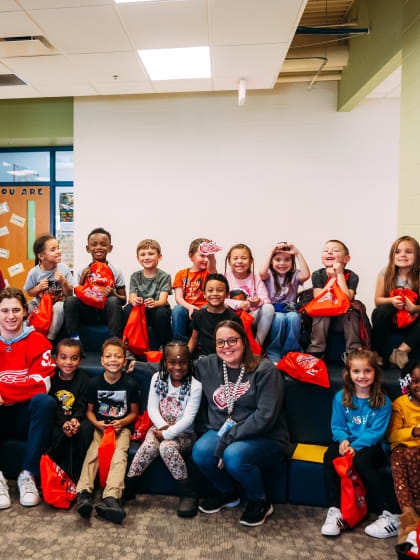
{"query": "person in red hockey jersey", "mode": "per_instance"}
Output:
(26, 409)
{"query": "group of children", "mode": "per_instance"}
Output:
(361, 412)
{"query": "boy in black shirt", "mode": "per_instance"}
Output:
(112, 401)
(69, 387)
(205, 320)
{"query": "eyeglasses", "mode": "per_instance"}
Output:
(231, 341)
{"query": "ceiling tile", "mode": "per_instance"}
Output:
(122, 88)
(237, 22)
(166, 24)
(17, 24)
(46, 4)
(17, 92)
(84, 30)
(8, 6)
(167, 86)
(101, 67)
(45, 68)
(248, 61)
(64, 90)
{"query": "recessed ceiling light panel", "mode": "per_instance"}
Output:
(177, 64)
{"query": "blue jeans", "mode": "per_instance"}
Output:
(284, 335)
(243, 462)
(32, 420)
(181, 324)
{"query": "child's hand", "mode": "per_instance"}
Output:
(1, 400)
(135, 300)
(293, 250)
(397, 302)
(338, 268)
(159, 435)
(43, 285)
(254, 301)
(116, 424)
(66, 427)
(75, 425)
(59, 277)
(150, 302)
(343, 447)
(101, 426)
(191, 310)
(86, 272)
(245, 305)
(220, 464)
(351, 451)
(409, 305)
(416, 431)
(131, 365)
(109, 291)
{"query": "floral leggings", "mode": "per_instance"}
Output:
(171, 451)
(405, 466)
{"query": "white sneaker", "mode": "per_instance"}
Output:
(4, 493)
(28, 492)
(384, 527)
(333, 524)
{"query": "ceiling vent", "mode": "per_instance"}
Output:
(11, 80)
(25, 46)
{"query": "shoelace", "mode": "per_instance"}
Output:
(3, 488)
(28, 486)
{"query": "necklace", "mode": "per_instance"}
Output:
(231, 398)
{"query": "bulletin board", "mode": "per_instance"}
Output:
(24, 215)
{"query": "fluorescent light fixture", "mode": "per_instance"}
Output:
(22, 172)
(177, 64)
(5, 164)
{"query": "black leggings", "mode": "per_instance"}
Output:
(383, 325)
(366, 463)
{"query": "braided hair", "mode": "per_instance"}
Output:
(161, 385)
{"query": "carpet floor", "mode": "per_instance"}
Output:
(152, 530)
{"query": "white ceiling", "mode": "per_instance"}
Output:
(95, 43)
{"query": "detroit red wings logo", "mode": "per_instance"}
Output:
(14, 376)
(329, 296)
(309, 363)
(219, 396)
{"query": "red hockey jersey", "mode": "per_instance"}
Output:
(26, 366)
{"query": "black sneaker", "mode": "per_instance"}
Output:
(215, 503)
(110, 509)
(256, 512)
(84, 504)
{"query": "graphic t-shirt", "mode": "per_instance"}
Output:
(112, 401)
(71, 396)
(36, 274)
(287, 292)
(192, 284)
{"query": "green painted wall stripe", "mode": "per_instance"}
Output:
(36, 122)
(31, 223)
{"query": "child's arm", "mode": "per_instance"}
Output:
(117, 292)
(211, 265)
(179, 298)
(84, 274)
(163, 300)
(380, 297)
(341, 280)
(66, 286)
(192, 343)
(302, 265)
(38, 289)
(340, 432)
(189, 415)
(135, 300)
(398, 430)
(131, 417)
(153, 403)
(265, 267)
(91, 416)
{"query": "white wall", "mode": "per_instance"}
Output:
(286, 166)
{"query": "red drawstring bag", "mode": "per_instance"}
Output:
(153, 355)
(353, 493)
(41, 317)
(57, 487)
(141, 427)
(305, 367)
(330, 302)
(92, 291)
(247, 319)
(403, 318)
(105, 453)
(135, 336)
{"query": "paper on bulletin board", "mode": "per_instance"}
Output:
(4, 231)
(17, 220)
(15, 269)
(4, 253)
(4, 208)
